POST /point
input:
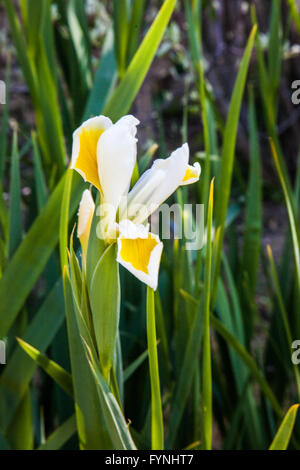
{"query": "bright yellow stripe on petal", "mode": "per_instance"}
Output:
(86, 161)
(137, 252)
(190, 173)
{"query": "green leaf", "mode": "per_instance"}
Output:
(15, 210)
(64, 220)
(275, 49)
(129, 371)
(55, 371)
(121, 30)
(248, 360)
(20, 430)
(61, 435)
(91, 428)
(39, 71)
(283, 435)
(20, 368)
(184, 382)
(3, 443)
(76, 15)
(136, 22)
(157, 428)
(40, 183)
(284, 314)
(105, 79)
(32, 254)
(137, 70)
(289, 202)
(105, 305)
(4, 120)
(114, 419)
(228, 151)
(206, 402)
(253, 218)
(295, 13)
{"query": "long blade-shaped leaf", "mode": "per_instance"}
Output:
(283, 435)
(60, 436)
(137, 70)
(230, 135)
(55, 371)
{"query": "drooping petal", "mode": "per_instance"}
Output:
(85, 217)
(84, 151)
(116, 156)
(139, 251)
(192, 174)
(157, 184)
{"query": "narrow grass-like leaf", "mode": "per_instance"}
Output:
(129, 371)
(4, 120)
(61, 435)
(283, 311)
(64, 219)
(55, 371)
(105, 79)
(248, 360)
(32, 254)
(275, 49)
(136, 21)
(79, 38)
(295, 13)
(206, 381)
(289, 202)
(15, 210)
(283, 435)
(89, 415)
(253, 217)
(41, 188)
(114, 419)
(157, 428)
(230, 135)
(20, 368)
(121, 30)
(136, 72)
(184, 382)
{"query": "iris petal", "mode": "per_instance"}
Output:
(140, 251)
(192, 174)
(84, 152)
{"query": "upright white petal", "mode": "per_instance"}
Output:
(84, 149)
(85, 217)
(158, 183)
(116, 155)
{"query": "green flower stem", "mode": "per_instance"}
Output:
(157, 416)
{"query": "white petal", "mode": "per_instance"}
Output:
(192, 174)
(85, 217)
(116, 154)
(158, 183)
(98, 123)
(134, 242)
(131, 122)
(86, 209)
